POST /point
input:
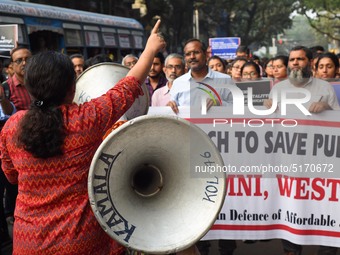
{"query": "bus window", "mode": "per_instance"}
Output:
(137, 39)
(110, 43)
(22, 36)
(72, 31)
(92, 40)
(91, 52)
(113, 54)
(44, 34)
(109, 37)
(73, 38)
(45, 40)
(124, 39)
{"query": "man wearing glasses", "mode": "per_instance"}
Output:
(129, 61)
(174, 67)
(188, 89)
(17, 91)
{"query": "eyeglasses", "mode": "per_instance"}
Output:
(251, 74)
(176, 67)
(130, 63)
(20, 60)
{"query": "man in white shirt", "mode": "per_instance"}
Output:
(200, 81)
(189, 89)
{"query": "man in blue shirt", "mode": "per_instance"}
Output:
(189, 89)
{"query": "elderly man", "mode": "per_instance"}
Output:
(174, 68)
(129, 61)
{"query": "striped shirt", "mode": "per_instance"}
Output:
(19, 94)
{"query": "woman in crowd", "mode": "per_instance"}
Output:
(250, 71)
(268, 69)
(327, 66)
(236, 67)
(279, 67)
(48, 150)
(217, 64)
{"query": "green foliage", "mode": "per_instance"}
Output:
(176, 16)
(323, 16)
(255, 21)
(303, 34)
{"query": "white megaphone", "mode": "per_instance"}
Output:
(144, 187)
(98, 79)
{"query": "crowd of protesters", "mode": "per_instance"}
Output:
(163, 83)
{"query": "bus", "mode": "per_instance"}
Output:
(71, 31)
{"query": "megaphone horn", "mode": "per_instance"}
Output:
(144, 190)
(98, 79)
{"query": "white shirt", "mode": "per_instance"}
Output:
(321, 91)
(186, 91)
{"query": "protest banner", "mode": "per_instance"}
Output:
(224, 47)
(261, 89)
(282, 175)
(336, 86)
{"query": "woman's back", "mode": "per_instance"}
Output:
(47, 150)
(53, 215)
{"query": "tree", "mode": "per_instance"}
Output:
(176, 18)
(255, 21)
(302, 33)
(323, 16)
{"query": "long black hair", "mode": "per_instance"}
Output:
(49, 77)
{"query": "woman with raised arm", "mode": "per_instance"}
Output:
(48, 150)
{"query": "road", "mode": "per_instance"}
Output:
(272, 247)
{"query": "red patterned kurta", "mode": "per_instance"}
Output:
(53, 214)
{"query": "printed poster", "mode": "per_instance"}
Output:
(8, 39)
